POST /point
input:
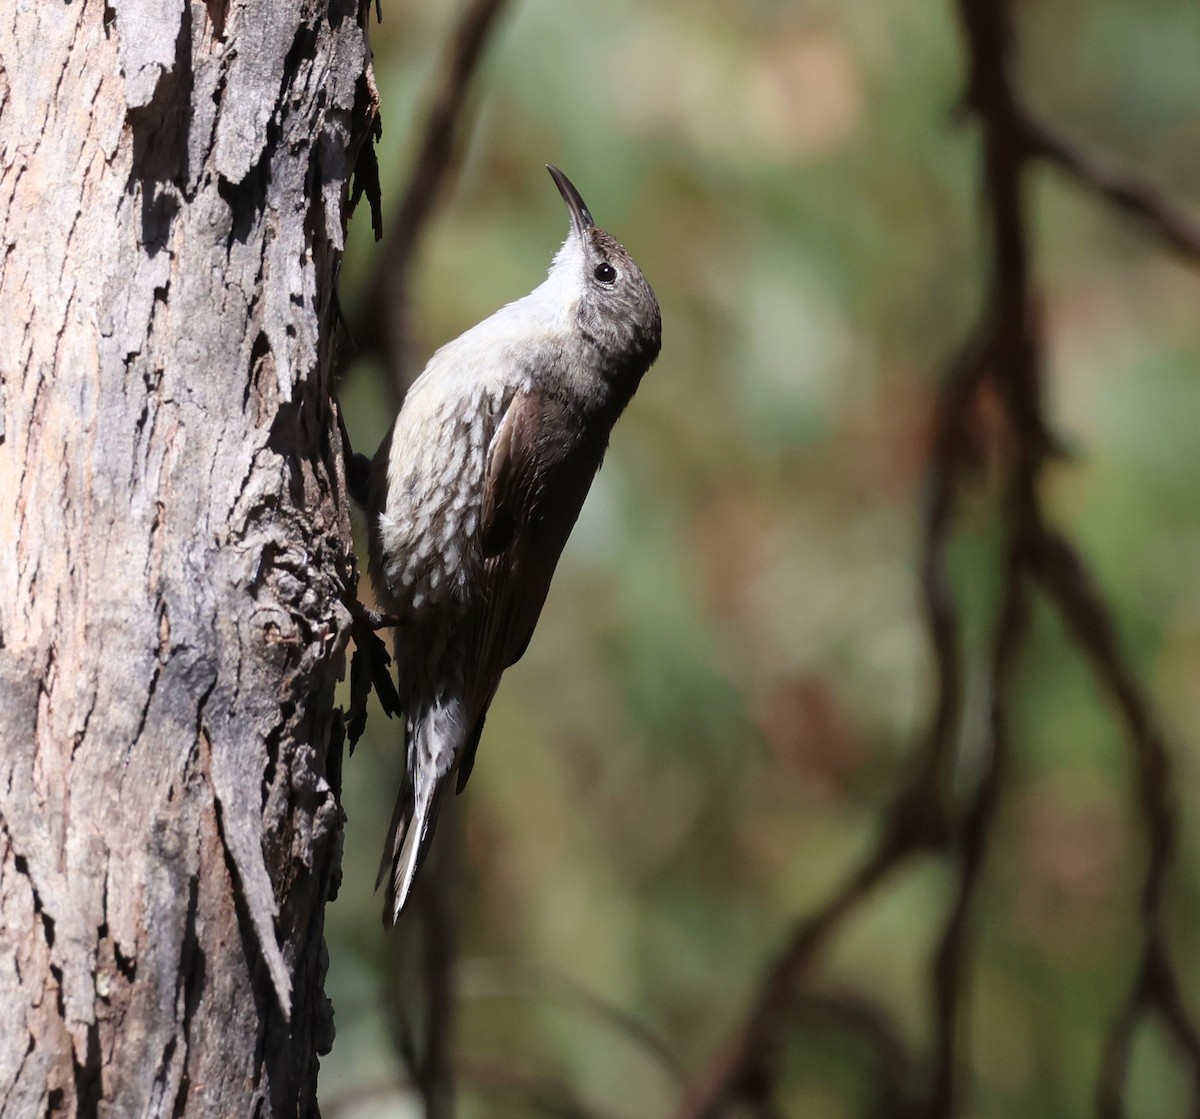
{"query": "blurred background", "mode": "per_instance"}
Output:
(732, 675)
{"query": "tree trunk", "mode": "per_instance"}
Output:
(173, 533)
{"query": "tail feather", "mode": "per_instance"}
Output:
(397, 829)
(435, 741)
(403, 857)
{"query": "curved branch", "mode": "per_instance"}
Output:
(1127, 192)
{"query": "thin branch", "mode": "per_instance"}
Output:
(1014, 369)
(1162, 984)
(382, 323)
(1070, 586)
(1127, 192)
(950, 966)
(953, 459)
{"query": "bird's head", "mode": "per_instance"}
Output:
(616, 310)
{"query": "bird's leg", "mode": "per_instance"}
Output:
(369, 666)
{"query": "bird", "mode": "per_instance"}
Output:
(473, 493)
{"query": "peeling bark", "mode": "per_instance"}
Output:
(173, 528)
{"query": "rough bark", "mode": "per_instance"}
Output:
(173, 530)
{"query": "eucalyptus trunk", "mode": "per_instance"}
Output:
(174, 544)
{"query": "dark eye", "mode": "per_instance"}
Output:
(605, 272)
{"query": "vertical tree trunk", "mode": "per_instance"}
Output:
(172, 528)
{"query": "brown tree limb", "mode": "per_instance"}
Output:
(950, 964)
(1156, 987)
(1014, 371)
(1127, 192)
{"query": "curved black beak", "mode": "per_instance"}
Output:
(581, 217)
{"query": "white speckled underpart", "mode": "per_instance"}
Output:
(432, 515)
(428, 530)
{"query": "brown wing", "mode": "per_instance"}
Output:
(537, 477)
(511, 474)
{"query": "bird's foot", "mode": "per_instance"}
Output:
(369, 669)
(369, 665)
